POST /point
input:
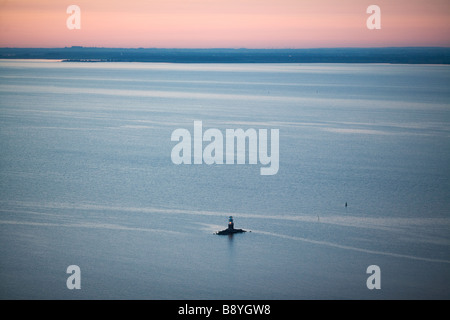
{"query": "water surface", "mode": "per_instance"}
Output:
(86, 178)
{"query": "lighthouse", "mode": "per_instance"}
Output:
(230, 223)
(230, 230)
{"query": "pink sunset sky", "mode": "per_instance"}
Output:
(224, 23)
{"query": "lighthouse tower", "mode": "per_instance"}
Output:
(230, 223)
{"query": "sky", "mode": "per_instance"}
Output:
(224, 23)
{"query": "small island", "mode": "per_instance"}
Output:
(230, 229)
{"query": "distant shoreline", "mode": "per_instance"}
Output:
(392, 55)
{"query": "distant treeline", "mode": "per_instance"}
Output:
(407, 55)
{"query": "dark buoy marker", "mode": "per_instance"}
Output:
(230, 229)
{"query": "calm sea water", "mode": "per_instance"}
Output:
(86, 179)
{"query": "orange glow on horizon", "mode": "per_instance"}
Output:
(221, 24)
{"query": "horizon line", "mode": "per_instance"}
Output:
(411, 55)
